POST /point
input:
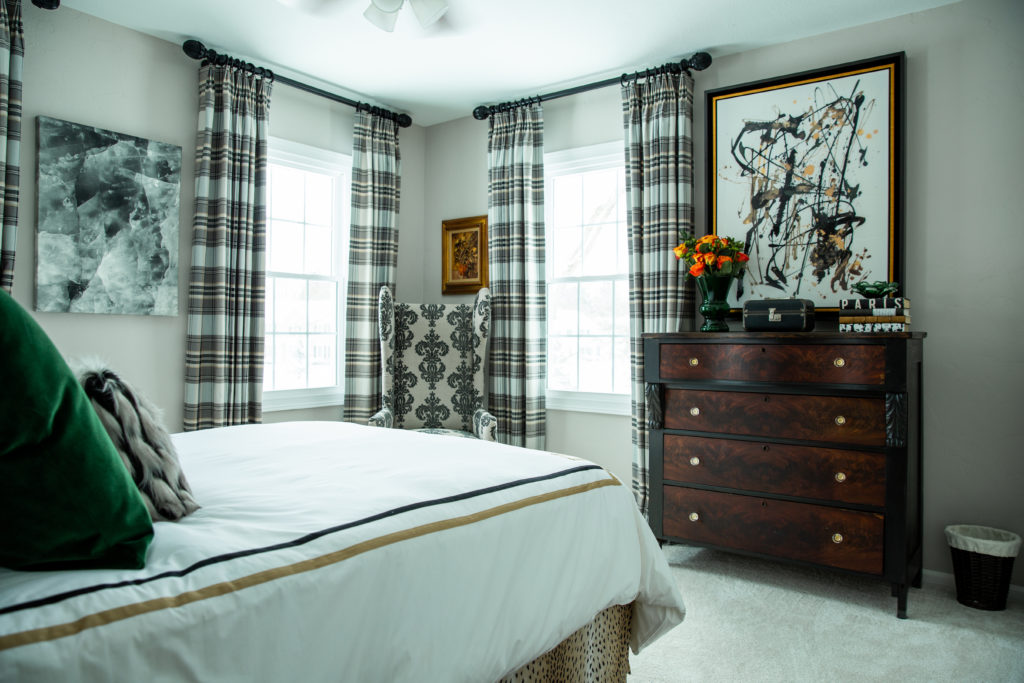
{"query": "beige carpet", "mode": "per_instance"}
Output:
(755, 620)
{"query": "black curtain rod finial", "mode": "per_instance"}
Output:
(481, 113)
(46, 4)
(699, 61)
(194, 49)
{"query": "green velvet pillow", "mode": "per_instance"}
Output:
(66, 500)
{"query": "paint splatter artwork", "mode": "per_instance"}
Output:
(803, 175)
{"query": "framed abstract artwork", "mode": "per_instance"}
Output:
(107, 236)
(463, 255)
(807, 170)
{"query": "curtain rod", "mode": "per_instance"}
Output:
(698, 62)
(196, 50)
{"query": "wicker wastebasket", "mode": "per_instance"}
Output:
(982, 564)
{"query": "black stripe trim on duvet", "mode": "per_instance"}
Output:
(302, 540)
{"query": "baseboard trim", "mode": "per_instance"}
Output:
(946, 580)
(932, 577)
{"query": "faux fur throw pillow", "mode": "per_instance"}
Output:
(134, 425)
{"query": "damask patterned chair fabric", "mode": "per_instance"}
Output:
(432, 366)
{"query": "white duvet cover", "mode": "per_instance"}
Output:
(327, 551)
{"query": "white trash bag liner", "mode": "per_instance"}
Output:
(983, 539)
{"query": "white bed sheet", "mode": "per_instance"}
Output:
(381, 555)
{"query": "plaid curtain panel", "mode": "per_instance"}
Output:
(658, 119)
(373, 256)
(12, 57)
(518, 370)
(224, 343)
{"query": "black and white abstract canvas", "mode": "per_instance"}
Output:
(805, 170)
(108, 222)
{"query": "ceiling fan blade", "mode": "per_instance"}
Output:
(382, 20)
(428, 11)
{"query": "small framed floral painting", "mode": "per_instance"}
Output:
(807, 171)
(463, 255)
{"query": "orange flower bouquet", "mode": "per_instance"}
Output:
(714, 262)
(712, 255)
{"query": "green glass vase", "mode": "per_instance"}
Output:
(714, 289)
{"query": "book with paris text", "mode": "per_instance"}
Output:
(864, 304)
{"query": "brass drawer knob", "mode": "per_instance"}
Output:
(695, 461)
(694, 517)
(840, 420)
(837, 538)
(839, 362)
(695, 411)
(694, 362)
(840, 477)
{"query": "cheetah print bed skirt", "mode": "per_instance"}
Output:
(597, 653)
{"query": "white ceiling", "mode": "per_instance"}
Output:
(483, 51)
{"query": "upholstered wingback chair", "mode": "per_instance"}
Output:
(432, 365)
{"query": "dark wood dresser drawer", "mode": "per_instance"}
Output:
(816, 363)
(836, 419)
(855, 477)
(799, 446)
(847, 539)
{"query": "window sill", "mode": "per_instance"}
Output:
(298, 399)
(588, 402)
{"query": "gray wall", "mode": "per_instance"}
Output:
(964, 92)
(91, 72)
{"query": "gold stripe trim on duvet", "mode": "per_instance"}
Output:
(115, 614)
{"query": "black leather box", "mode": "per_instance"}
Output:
(778, 315)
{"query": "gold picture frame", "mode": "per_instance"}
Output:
(463, 255)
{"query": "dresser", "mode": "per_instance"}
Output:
(804, 447)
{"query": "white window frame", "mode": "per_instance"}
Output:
(579, 159)
(308, 158)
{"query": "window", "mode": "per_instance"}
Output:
(307, 248)
(587, 278)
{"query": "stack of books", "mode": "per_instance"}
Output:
(880, 314)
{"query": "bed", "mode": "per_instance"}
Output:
(328, 551)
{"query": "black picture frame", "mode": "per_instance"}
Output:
(808, 170)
